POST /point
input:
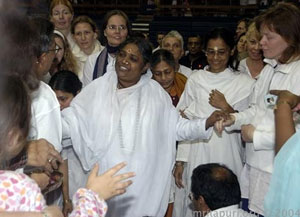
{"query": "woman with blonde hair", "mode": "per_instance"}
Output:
(253, 64)
(64, 58)
(85, 34)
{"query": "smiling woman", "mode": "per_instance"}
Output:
(126, 116)
(115, 29)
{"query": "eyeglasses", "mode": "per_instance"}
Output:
(56, 49)
(212, 53)
(115, 27)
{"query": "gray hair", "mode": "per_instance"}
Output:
(175, 34)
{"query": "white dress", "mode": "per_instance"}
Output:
(225, 149)
(138, 125)
(46, 117)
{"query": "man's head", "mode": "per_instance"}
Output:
(194, 44)
(159, 38)
(214, 186)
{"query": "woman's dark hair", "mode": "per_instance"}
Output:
(107, 16)
(143, 45)
(45, 30)
(66, 81)
(228, 37)
(162, 55)
(15, 110)
(283, 19)
(217, 184)
(18, 47)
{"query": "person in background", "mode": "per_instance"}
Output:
(159, 38)
(173, 42)
(66, 86)
(195, 58)
(253, 64)
(162, 65)
(241, 28)
(241, 47)
(85, 34)
(61, 15)
(64, 58)
(215, 192)
(115, 29)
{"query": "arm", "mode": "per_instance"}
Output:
(218, 100)
(284, 124)
(67, 203)
(89, 201)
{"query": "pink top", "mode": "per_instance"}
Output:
(18, 192)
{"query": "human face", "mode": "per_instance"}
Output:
(85, 37)
(194, 45)
(61, 17)
(64, 98)
(164, 74)
(173, 45)
(217, 53)
(116, 30)
(272, 44)
(241, 45)
(60, 53)
(241, 28)
(160, 38)
(253, 48)
(129, 66)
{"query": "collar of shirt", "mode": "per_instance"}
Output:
(224, 211)
(278, 67)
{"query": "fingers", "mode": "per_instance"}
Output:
(112, 171)
(94, 171)
(124, 176)
(275, 92)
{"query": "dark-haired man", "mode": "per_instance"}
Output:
(216, 192)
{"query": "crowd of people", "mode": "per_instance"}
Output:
(211, 131)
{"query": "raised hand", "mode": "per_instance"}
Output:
(109, 184)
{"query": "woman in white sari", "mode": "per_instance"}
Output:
(127, 116)
(218, 86)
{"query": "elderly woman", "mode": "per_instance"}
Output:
(163, 65)
(115, 29)
(126, 116)
(61, 15)
(173, 42)
(253, 64)
(85, 33)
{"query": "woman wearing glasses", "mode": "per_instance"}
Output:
(116, 28)
(217, 87)
(64, 59)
